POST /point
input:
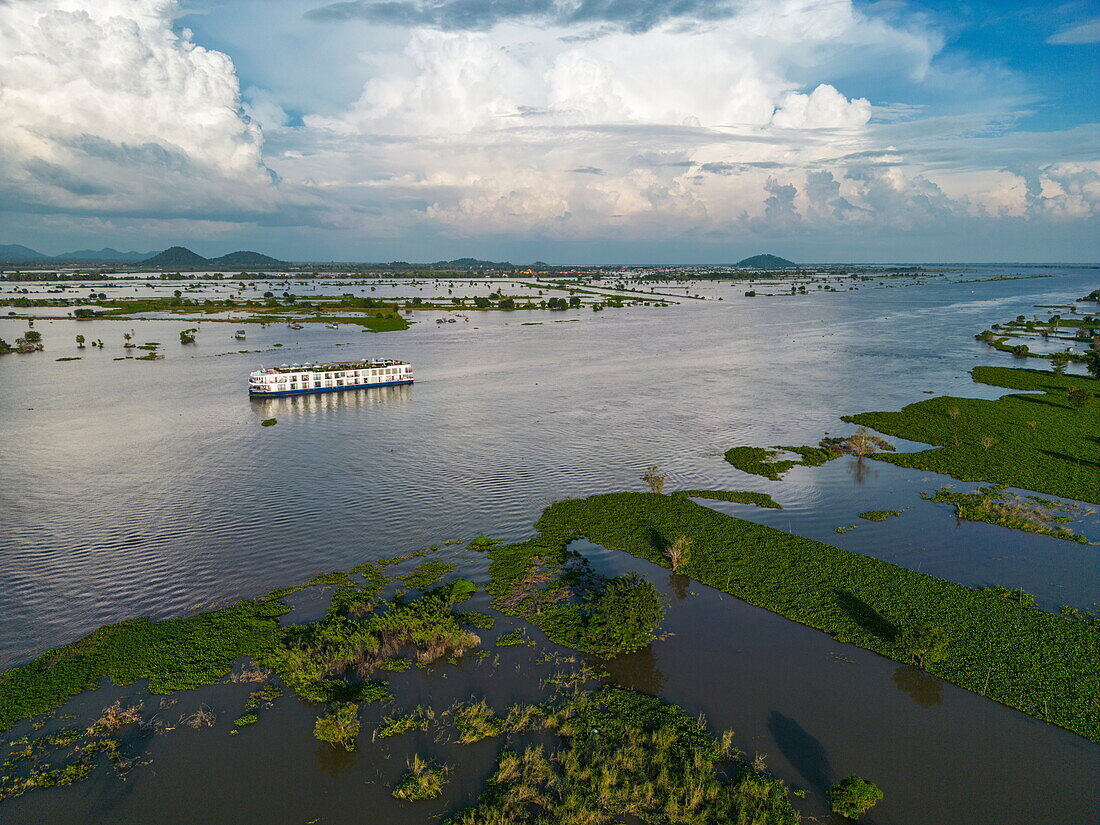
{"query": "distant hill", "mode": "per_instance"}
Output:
(767, 262)
(17, 252)
(179, 256)
(474, 263)
(105, 254)
(245, 260)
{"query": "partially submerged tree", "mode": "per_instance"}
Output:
(678, 552)
(655, 479)
(340, 726)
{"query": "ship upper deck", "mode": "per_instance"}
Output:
(331, 367)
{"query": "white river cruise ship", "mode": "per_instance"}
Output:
(297, 379)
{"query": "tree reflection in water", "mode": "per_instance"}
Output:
(924, 688)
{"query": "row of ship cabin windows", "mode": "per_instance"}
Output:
(282, 379)
(353, 376)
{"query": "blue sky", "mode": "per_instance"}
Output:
(562, 130)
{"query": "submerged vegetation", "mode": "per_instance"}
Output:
(880, 515)
(766, 462)
(360, 633)
(996, 505)
(540, 580)
(32, 763)
(1038, 440)
(626, 754)
(173, 654)
(424, 780)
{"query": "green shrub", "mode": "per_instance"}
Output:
(423, 780)
(880, 515)
(853, 796)
(622, 618)
(516, 637)
(339, 726)
(418, 718)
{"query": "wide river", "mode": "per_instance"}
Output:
(134, 488)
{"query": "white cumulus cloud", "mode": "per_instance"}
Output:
(106, 108)
(823, 108)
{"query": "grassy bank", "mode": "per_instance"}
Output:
(328, 660)
(1045, 665)
(173, 654)
(1037, 441)
(736, 496)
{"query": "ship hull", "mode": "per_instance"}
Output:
(313, 390)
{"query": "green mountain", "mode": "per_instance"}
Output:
(767, 262)
(18, 252)
(176, 256)
(473, 263)
(245, 260)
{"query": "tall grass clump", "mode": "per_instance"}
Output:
(625, 754)
(423, 780)
(996, 505)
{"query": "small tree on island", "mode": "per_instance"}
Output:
(655, 479)
(1078, 397)
(187, 336)
(924, 642)
(678, 553)
(853, 796)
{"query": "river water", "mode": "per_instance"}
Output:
(149, 488)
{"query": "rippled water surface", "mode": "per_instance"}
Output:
(130, 488)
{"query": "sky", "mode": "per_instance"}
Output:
(568, 131)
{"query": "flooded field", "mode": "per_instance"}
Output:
(149, 488)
